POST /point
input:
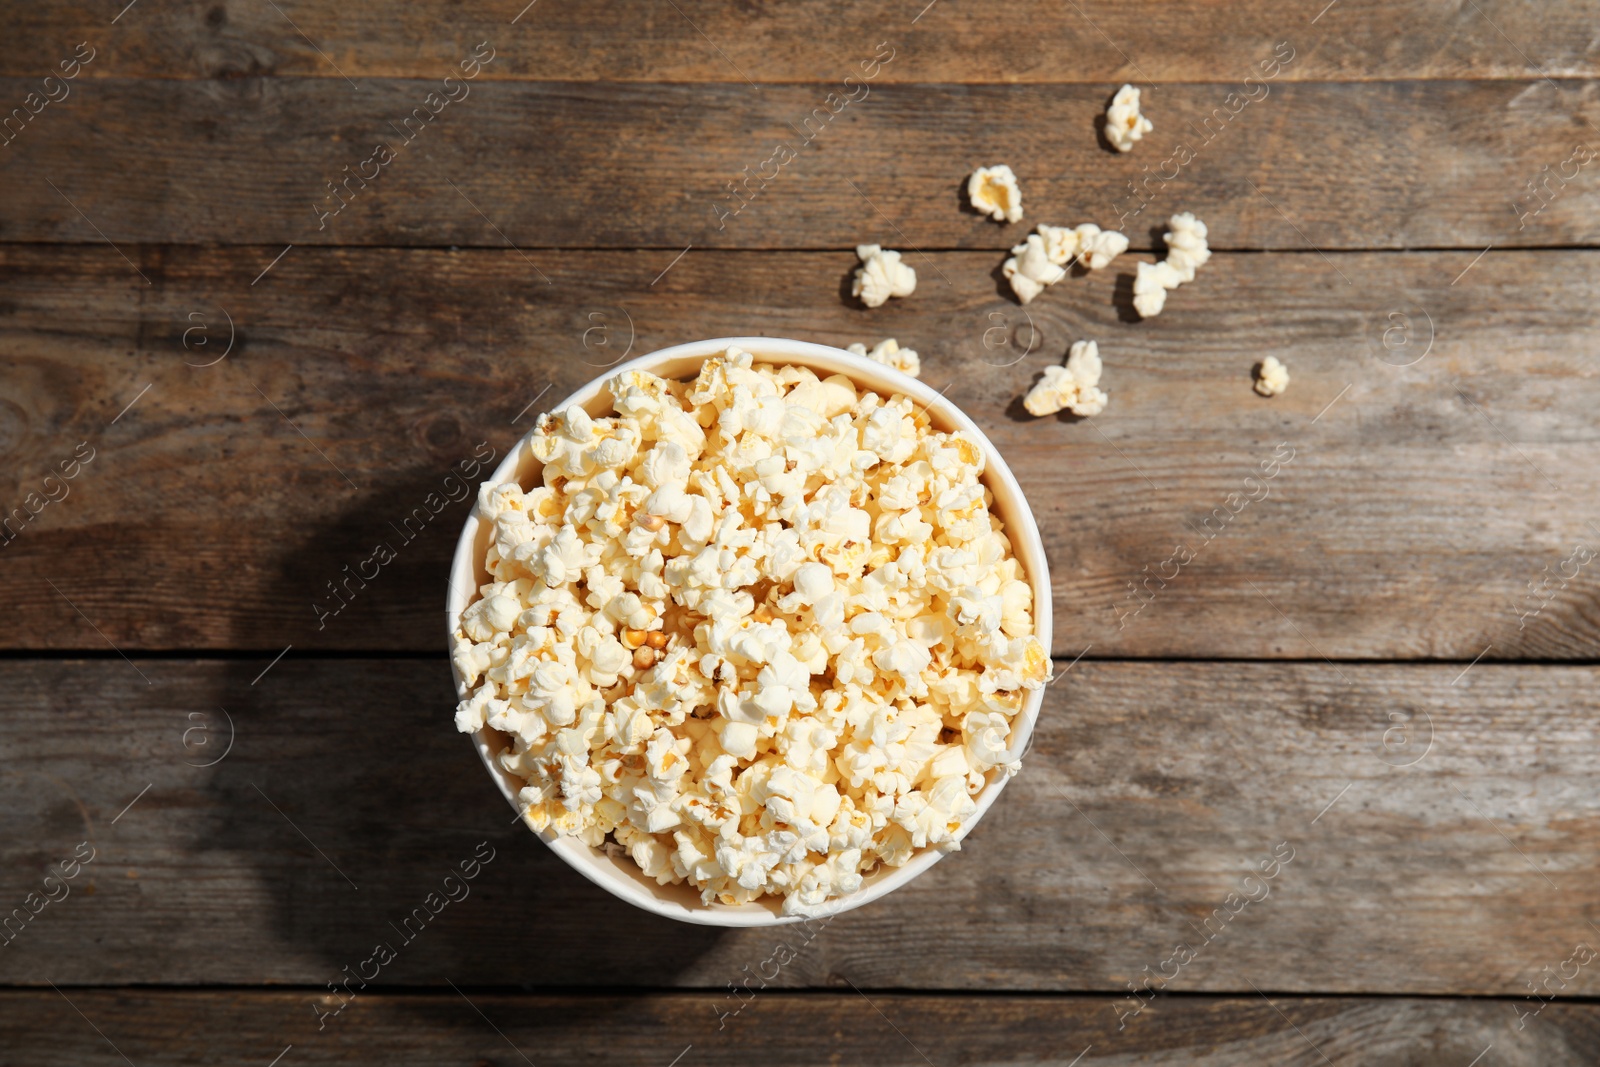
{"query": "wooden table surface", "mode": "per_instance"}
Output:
(1384, 662)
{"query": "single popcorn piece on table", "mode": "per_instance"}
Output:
(890, 354)
(1124, 123)
(881, 276)
(994, 192)
(1272, 377)
(1187, 251)
(1073, 387)
(1186, 244)
(1150, 286)
(759, 630)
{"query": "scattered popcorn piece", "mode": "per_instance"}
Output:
(1073, 387)
(1186, 244)
(994, 192)
(1087, 244)
(1043, 257)
(1124, 123)
(758, 631)
(880, 276)
(1029, 269)
(1097, 247)
(1187, 251)
(1061, 243)
(1272, 377)
(890, 354)
(1150, 287)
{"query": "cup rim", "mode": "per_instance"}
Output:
(621, 877)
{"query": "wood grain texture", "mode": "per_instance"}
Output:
(1419, 504)
(812, 40)
(587, 165)
(44, 1029)
(1441, 837)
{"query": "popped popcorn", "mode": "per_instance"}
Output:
(1029, 270)
(1097, 247)
(1186, 252)
(1186, 244)
(1124, 123)
(994, 192)
(1073, 387)
(880, 276)
(1044, 256)
(890, 354)
(759, 630)
(1150, 285)
(1272, 377)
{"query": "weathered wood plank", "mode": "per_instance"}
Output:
(811, 40)
(1420, 853)
(44, 1029)
(1415, 511)
(584, 165)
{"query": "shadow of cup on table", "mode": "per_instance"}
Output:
(361, 809)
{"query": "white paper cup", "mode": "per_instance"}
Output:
(620, 875)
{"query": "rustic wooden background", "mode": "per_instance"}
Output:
(1387, 664)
